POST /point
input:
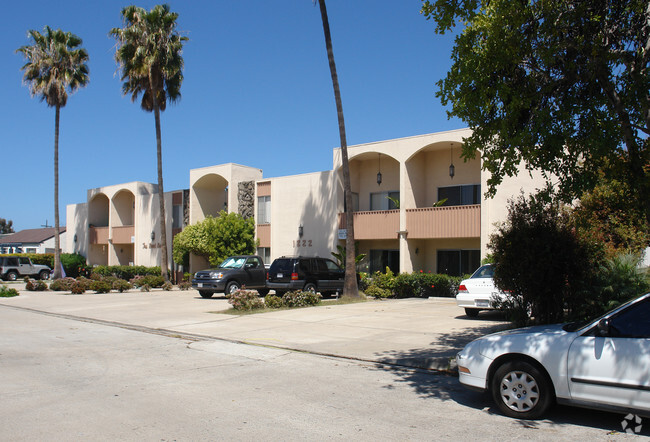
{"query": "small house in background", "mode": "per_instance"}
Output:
(32, 241)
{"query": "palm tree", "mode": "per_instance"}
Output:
(55, 65)
(149, 55)
(350, 287)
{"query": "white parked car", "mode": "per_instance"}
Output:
(478, 292)
(603, 364)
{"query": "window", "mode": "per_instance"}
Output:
(632, 322)
(265, 253)
(460, 195)
(30, 250)
(263, 210)
(380, 259)
(177, 216)
(458, 262)
(384, 200)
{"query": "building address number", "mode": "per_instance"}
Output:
(302, 243)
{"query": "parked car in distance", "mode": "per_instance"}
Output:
(478, 292)
(305, 273)
(232, 274)
(13, 267)
(602, 364)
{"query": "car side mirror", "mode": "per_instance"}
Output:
(603, 327)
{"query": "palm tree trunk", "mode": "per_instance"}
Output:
(57, 248)
(161, 193)
(350, 287)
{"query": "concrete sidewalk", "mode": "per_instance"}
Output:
(419, 333)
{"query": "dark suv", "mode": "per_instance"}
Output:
(231, 275)
(302, 273)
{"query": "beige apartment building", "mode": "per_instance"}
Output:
(417, 206)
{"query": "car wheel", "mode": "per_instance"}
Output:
(205, 294)
(472, 312)
(521, 390)
(309, 287)
(44, 275)
(263, 292)
(12, 276)
(232, 287)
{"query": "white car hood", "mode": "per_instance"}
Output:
(535, 341)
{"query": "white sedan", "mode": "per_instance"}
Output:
(604, 364)
(478, 292)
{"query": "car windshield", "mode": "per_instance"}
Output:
(486, 271)
(583, 325)
(233, 263)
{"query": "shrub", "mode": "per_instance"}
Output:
(273, 301)
(245, 300)
(85, 282)
(384, 280)
(539, 257)
(424, 285)
(101, 286)
(167, 286)
(62, 285)
(185, 285)
(78, 287)
(364, 281)
(96, 276)
(300, 299)
(6, 292)
(377, 292)
(35, 285)
(73, 264)
(145, 288)
(126, 272)
(150, 280)
(121, 285)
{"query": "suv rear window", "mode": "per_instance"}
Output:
(281, 265)
(9, 261)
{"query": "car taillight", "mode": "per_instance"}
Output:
(267, 276)
(294, 276)
(462, 289)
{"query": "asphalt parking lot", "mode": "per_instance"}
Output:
(419, 333)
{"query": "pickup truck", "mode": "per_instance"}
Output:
(12, 267)
(231, 275)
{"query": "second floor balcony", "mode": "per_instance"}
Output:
(376, 224)
(444, 222)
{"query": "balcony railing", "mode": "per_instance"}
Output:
(444, 222)
(98, 235)
(123, 234)
(264, 234)
(376, 224)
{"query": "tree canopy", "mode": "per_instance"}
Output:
(6, 226)
(216, 238)
(561, 85)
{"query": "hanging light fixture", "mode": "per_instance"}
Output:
(452, 169)
(379, 171)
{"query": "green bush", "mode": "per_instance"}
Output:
(245, 300)
(121, 285)
(424, 285)
(377, 292)
(62, 285)
(301, 298)
(6, 292)
(100, 286)
(73, 264)
(79, 287)
(35, 285)
(273, 301)
(185, 285)
(167, 286)
(151, 280)
(145, 288)
(126, 272)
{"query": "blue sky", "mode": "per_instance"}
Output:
(257, 92)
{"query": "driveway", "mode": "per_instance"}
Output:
(419, 333)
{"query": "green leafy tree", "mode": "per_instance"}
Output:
(340, 255)
(541, 262)
(149, 55)
(350, 287)
(56, 65)
(559, 84)
(6, 226)
(605, 215)
(215, 239)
